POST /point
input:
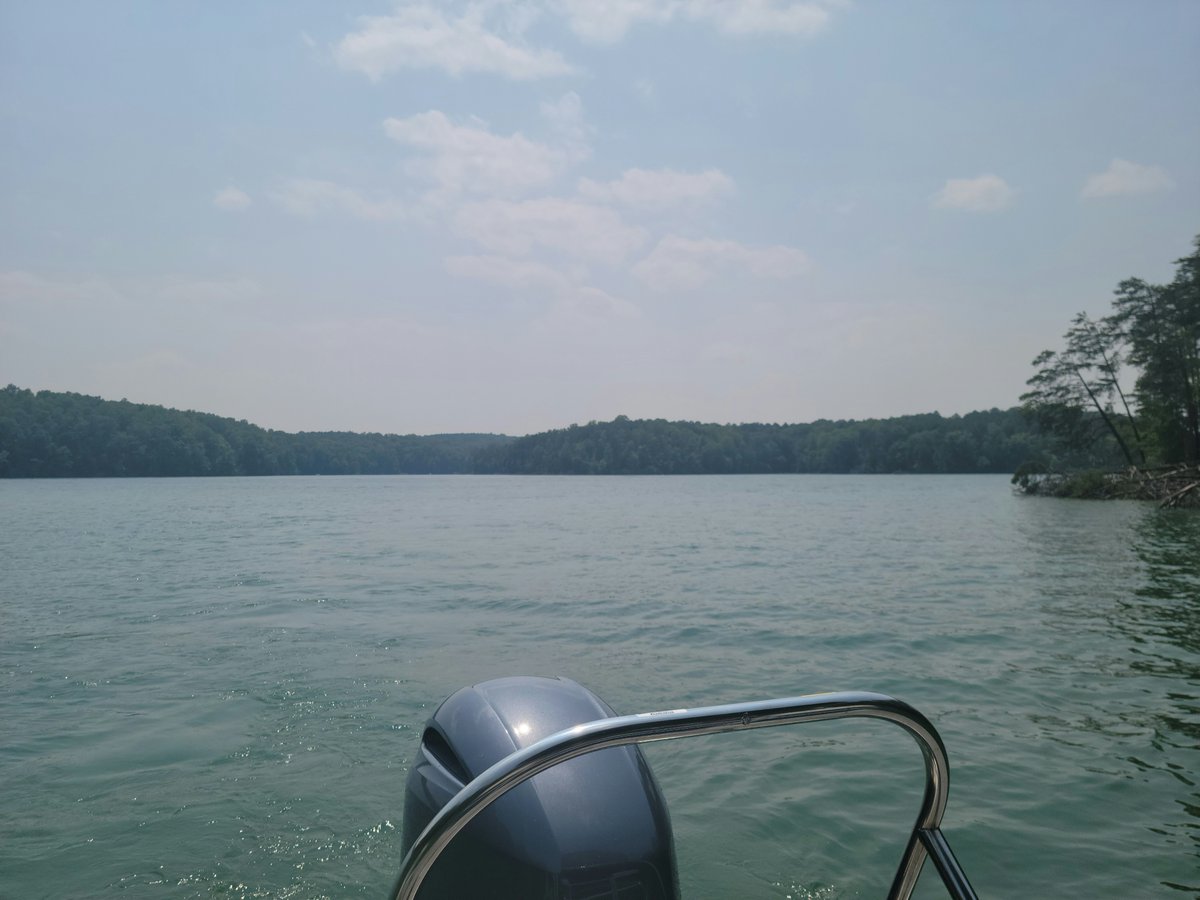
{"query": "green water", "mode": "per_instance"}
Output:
(212, 688)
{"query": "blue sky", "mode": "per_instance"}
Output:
(511, 216)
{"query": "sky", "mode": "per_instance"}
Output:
(514, 215)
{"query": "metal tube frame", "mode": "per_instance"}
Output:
(925, 840)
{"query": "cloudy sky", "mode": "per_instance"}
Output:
(512, 215)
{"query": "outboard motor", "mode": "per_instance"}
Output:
(593, 828)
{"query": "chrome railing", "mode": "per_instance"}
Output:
(925, 840)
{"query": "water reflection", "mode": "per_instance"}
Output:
(1166, 611)
(1163, 621)
(1108, 683)
(1130, 710)
(1167, 602)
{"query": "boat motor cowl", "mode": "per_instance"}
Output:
(594, 827)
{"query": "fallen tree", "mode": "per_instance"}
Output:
(1170, 486)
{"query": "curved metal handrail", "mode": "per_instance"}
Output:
(926, 838)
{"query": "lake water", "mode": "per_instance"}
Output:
(213, 688)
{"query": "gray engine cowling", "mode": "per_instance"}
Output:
(593, 828)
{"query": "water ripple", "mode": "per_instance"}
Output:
(214, 687)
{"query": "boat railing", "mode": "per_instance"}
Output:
(925, 840)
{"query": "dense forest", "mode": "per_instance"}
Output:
(48, 434)
(1078, 394)
(51, 434)
(992, 441)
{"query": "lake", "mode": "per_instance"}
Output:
(214, 687)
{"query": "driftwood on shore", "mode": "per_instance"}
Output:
(1181, 483)
(1170, 486)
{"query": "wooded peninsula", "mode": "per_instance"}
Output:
(1078, 395)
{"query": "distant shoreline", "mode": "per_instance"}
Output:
(515, 475)
(66, 435)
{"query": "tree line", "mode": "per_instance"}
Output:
(1078, 394)
(991, 441)
(49, 434)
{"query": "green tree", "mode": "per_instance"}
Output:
(1156, 330)
(1072, 391)
(1161, 325)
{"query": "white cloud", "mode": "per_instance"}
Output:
(488, 36)
(657, 190)
(455, 160)
(231, 199)
(565, 118)
(577, 230)
(512, 273)
(573, 299)
(762, 16)
(681, 263)
(310, 196)
(1124, 177)
(590, 303)
(470, 158)
(424, 36)
(987, 193)
(609, 20)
